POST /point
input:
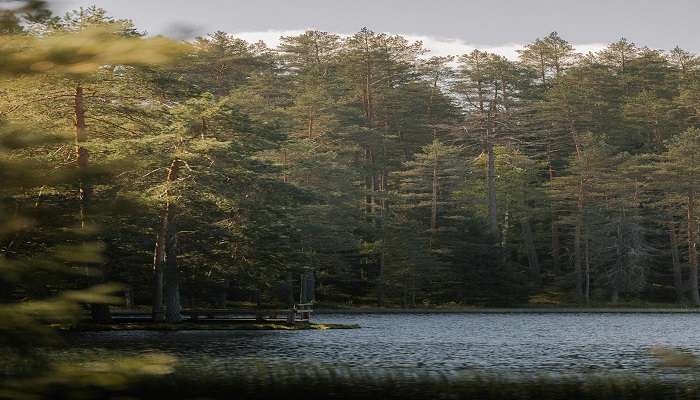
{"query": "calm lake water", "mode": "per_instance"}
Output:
(447, 344)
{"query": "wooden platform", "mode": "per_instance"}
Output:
(302, 313)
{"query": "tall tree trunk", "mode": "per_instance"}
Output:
(290, 289)
(376, 186)
(258, 298)
(404, 293)
(380, 283)
(369, 181)
(172, 279)
(543, 68)
(578, 236)
(98, 312)
(82, 154)
(491, 182)
(384, 173)
(556, 246)
(692, 248)
(369, 112)
(370, 178)
(616, 279)
(434, 200)
(385, 191)
(556, 251)
(412, 298)
(158, 264)
(531, 251)
(676, 260)
(431, 121)
(578, 268)
(588, 270)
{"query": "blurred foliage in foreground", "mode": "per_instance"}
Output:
(27, 327)
(308, 383)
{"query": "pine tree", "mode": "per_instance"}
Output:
(677, 172)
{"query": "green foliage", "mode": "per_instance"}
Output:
(398, 178)
(395, 178)
(39, 249)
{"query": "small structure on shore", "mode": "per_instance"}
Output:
(307, 294)
(297, 312)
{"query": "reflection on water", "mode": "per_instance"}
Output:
(511, 344)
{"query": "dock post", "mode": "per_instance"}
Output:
(292, 315)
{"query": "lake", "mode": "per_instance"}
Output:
(511, 345)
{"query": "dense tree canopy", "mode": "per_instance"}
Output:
(397, 178)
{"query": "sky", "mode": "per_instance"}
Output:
(444, 26)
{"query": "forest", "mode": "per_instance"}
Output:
(215, 172)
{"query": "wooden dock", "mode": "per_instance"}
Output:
(298, 313)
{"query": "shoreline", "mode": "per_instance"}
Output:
(121, 313)
(511, 310)
(204, 326)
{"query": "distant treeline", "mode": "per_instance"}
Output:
(219, 170)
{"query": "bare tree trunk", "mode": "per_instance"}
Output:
(376, 204)
(369, 182)
(588, 270)
(404, 297)
(290, 289)
(98, 312)
(83, 155)
(543, 69)
(258, 298)
(556, 247)
(158, 265)
(370, 178)
(413, 287)
(531, 251)
(578, 269)
(676, 260)
(578, 257)
(385, 190)
(692, 248)
(556, 251)
(491, 183)
(380, 285)
(434, 200)
(615, 297)
(368, 85)
(172, 279)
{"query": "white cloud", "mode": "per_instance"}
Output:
(445, 47)
(437, 46)
(271, 38)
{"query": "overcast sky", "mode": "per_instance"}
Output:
(445, 26)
